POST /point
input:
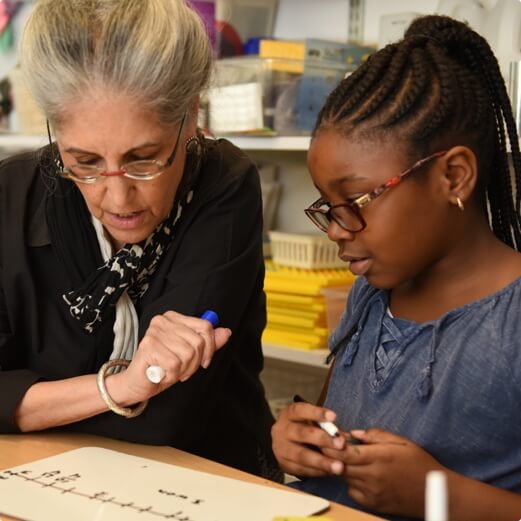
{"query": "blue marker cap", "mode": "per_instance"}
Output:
(211, 316)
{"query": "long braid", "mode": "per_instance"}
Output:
(438, 85)
(504, 208)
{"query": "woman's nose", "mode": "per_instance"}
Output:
(118, 189)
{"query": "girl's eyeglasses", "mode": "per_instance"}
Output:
(347, 215)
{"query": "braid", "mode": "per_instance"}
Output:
(445, 102)
(414, 93)
(394, 75)
(419, 88)
(349, 93)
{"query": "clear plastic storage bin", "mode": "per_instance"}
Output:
(269, 95)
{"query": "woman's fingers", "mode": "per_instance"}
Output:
(213, 339)
(193, 341)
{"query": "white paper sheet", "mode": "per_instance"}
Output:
(95, 484)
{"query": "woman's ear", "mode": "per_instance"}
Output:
(461, 174)
(193, 116)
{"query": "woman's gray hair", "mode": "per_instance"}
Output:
(155, 51)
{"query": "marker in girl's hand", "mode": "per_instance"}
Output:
(326, 426)
(156, 373)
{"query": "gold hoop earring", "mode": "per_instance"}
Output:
(460, 204)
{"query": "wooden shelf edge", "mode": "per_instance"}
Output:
(313, 357)
(14, 141)
(282, 143)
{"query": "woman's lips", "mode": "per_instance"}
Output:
(127, 221)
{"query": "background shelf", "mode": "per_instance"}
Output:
(312, 357)
(271, 143)
(12, 141)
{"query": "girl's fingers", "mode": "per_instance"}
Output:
(363, 454)
(299, 470)
(302, 411)
(314, 463)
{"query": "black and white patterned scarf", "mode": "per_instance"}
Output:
(103, 279)
(128, 270)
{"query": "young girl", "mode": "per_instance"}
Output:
(409, 155)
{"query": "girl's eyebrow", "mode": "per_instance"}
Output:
(339, 181)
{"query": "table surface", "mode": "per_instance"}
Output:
(24, 448)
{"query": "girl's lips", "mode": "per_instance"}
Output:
(357, 265)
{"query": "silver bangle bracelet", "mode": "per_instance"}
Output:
(128, 412)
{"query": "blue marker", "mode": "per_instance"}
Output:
(155, 373)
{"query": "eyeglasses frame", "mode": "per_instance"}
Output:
(67, 173)
(356, 205)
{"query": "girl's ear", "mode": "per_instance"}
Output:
(461, 174)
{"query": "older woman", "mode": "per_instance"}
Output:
(115, 239)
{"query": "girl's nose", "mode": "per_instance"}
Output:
(335, 232)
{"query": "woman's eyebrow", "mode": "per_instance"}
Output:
(76, 150)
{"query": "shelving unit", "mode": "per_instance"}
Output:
(11, 141)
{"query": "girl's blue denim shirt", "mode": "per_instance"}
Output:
(452, 385)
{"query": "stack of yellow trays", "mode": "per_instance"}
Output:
(296, 306)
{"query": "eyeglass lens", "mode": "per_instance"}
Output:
(344, 215)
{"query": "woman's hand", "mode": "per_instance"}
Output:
(177, 343)
(297, 441)
(386, 472)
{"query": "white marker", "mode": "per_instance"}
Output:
(330, 428)
(436, 500)
(155, 373)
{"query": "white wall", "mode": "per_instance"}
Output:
(326, 19)
(329, 18)
(375, 8)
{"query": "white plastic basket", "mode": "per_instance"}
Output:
(304, 251)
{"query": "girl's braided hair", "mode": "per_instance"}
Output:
(439, 87)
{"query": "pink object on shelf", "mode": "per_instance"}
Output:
(206, 10)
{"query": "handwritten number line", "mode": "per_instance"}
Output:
(98, 496)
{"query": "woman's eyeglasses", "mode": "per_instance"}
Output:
(143, 170)
(347, 215)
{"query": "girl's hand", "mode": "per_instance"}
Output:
(386, 472)
(297, 441)
(177, 343)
